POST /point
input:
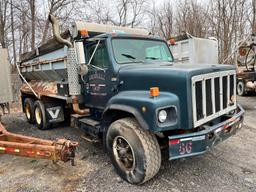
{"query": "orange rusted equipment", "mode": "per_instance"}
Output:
(59, 150)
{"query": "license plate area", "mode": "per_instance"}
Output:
(179, 148)
(196, 144)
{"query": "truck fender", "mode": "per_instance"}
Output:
(127, 109)
(143, 107)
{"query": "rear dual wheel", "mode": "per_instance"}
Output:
(35, 113)
(40, 116)
(29, 110)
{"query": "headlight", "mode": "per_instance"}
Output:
(162, 116)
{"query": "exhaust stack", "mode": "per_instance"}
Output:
(56, 31)
(72, 67)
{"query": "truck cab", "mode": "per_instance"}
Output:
(122, 86)
(114, 53)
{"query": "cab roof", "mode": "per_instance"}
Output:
(79, 26)
(123, 35)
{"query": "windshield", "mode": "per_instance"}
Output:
(130, 50)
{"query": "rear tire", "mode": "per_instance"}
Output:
(29, 110)
(241, 88)
(134, 152)
(40, 116)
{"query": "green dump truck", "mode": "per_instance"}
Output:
(120, 86)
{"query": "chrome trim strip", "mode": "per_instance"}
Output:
(221, 93)
(194, 100)
(235, 89)
(204, 97)
(213, 96)
(228, 90)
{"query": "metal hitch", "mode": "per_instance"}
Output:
(19, 145)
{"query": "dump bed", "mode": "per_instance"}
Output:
(49, 61)
(49, 66)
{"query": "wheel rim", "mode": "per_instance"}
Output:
(123, 153)
(240, 89)
(38, 116)
(27, 111)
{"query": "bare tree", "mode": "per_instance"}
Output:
(162, 20)
(3, 22)
(13, 34)
(32, 8)
(117, 12)
(24, 23)
(254, 16)
(191, 17)
(55, 7)
(130, 12)
(227, 24)
(98, 12)
(23, 26)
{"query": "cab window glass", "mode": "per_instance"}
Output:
(153, 52)
(100, 58)
(128, 50)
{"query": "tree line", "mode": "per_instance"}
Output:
(24, 24)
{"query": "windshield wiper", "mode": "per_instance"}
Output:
(132, 58)
(153, 58)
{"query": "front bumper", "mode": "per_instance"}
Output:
(197, 143)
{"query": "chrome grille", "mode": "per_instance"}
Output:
(211, 95)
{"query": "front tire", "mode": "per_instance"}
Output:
(134, 152)
(40, 116)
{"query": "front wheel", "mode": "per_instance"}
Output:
(134, 152)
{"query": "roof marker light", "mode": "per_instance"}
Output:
(84, 33)
(172, 41)
(154, 91)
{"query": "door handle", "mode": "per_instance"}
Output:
(116, 87)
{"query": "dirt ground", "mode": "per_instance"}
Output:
(230, 166)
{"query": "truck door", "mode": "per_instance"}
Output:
(98, 86)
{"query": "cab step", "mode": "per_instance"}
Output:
(90, 126)
(89, 121)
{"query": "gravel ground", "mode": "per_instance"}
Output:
(230, 166)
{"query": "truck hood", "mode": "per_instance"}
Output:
(164, 75)
(169, 77)
(166, 67)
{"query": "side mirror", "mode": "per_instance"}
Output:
(83, 69)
